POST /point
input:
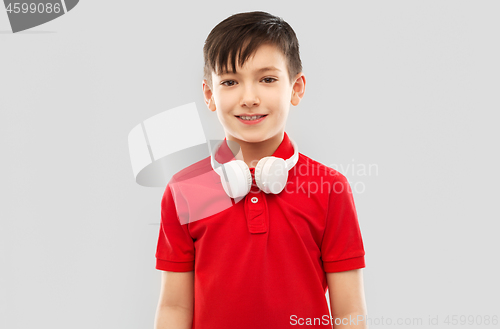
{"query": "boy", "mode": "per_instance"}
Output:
(266, 260)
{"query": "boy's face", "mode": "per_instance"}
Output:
(254, 91)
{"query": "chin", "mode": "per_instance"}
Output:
(253, 137)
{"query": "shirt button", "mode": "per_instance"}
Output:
(254, 199)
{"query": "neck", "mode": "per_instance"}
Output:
(251, 153)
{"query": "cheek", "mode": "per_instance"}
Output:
(277, 95)
(226, 100)
(223, 106)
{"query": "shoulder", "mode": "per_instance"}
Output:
(194, 170)
(195, 176)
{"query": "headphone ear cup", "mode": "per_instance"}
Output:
(239, 179)
(258, 173)
(271, 174)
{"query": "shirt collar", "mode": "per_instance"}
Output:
(285, 150)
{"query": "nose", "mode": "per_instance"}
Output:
(249, 97)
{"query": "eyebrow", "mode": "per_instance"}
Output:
(264, 69)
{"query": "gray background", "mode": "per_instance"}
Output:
(408, 86)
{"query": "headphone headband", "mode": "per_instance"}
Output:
(290, 163)
(271, 173)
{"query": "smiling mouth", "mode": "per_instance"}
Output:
(250, 118)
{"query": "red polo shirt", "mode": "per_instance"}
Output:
(259, 261)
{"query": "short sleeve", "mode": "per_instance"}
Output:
(175, 250)
(342, 245)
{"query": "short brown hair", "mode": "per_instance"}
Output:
(252, 29)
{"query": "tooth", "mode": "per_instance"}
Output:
(250, 118)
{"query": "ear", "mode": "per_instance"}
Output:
(298, 89)
(208, 95)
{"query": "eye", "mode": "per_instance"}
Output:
(272, 80)
(225, 83)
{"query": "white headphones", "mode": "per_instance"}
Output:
(271, 173)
